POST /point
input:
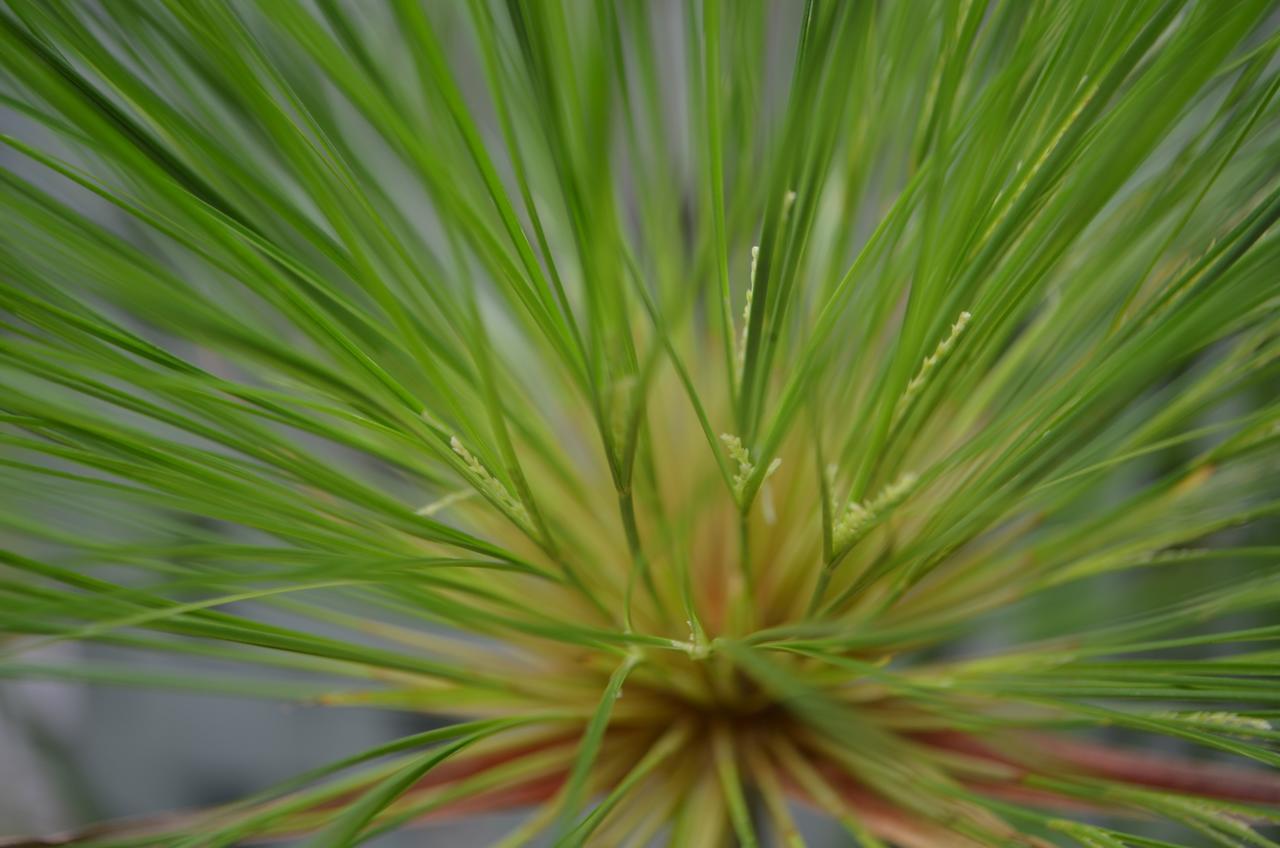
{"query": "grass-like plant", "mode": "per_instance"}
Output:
(880, 395)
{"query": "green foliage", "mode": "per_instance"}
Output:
(420, 323)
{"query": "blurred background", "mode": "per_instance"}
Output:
(75, 753)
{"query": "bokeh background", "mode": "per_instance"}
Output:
(75, 753)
